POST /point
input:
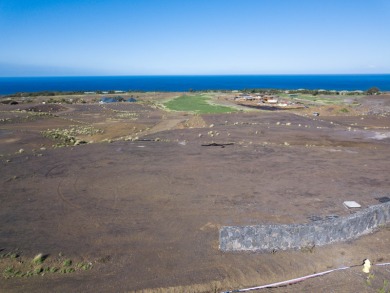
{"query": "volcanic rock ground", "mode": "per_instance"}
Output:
(144, 202)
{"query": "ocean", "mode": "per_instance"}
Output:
(183, 83)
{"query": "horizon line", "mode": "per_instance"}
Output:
(187, 75)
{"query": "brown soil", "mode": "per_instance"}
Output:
(50, 108)
(145, 212)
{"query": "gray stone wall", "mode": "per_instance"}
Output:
(267, 238)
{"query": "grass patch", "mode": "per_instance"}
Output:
(319, 99)
(38, 259)
(67, 263)
(10, 272)
(84, 266)
(198, 104)
(385, 288)
(68, 136)
(9, 254)
(13, 265)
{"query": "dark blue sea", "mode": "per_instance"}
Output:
(9, 85)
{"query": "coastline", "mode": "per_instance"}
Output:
(184, 83)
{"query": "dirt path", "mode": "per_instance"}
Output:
(164, 125)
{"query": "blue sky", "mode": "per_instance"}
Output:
(158, 37)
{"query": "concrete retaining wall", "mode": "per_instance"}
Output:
(266, 238)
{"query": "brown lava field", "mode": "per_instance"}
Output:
(142, 200)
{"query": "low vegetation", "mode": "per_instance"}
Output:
(315, 99)
(13, 265)
(196, 103)
(69, 136)
(127, 115)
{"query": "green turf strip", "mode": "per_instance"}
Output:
(198, 104)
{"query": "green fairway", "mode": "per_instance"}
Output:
(319, 99)
(198, 104)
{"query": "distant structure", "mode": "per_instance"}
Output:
(106, 100)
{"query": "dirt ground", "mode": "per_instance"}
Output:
(142, 201)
